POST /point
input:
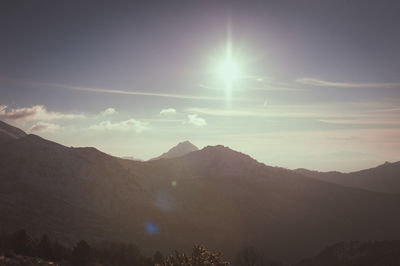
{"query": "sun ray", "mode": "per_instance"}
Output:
(229, 69)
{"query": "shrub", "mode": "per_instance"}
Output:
(200, 257)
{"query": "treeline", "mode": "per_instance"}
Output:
(82, 254)
(107, 253)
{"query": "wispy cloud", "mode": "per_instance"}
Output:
(109, 111)
(168, 111)
(196, 120)
(164, 120)
(128, 125)
(323, 83)
(360, 121)
(269, 84)
(359, 112)
(226, 112)
(34, 113)
(259, 84)
(141, 93)
(42, 127)
(118, 91)
(289, 111)
(386, 110)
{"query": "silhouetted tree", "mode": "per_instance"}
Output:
(158, 257)
(250, 257)
(200, 257)
(21, 243)
(3, 241)
(118, 254)
(45, 249)
(60, 252)
(81, 254)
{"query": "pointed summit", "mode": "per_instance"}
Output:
(181, 149)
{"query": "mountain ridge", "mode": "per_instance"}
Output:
(382, 178)
(216, 196)
(8, 132)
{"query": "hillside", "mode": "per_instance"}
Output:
(356, 253)
(383, 178)
(215, 196)
(8, 132)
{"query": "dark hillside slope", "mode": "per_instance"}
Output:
(356, 253)
(228, 197)
(8, 132)
(215, 196)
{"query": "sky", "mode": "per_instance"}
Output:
(296, 84)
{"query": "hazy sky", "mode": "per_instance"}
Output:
(318, 86)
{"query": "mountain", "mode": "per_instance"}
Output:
(216, 196)
(8, 132)
(383, 178)
(181, 149)
(131, 158)
(357, 253)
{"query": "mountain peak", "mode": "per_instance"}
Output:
(185, 144)
(385, 164)
(182, 148)
(221, 160)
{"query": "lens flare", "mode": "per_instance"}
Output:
(151, 228)
(164, 201)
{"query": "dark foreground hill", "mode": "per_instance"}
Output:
(383, 178)
(215, 196)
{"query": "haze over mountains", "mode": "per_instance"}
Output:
(215, 196)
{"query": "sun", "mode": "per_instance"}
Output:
(228, 70)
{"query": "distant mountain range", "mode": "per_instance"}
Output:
(181, 149)
(383, 178)
(221, 198)
(131, 158)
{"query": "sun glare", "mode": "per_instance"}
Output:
(229, 70)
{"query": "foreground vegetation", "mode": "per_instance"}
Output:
(82, 254)
(19, 248)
